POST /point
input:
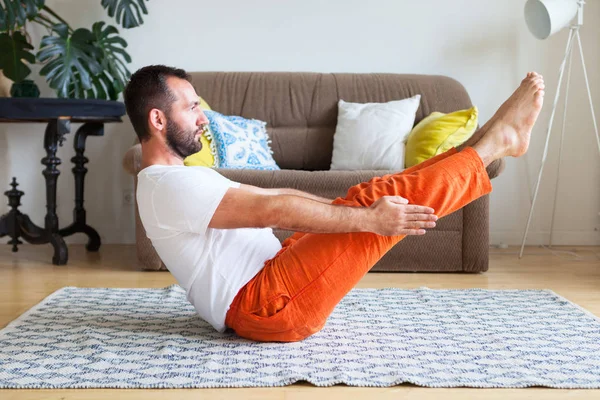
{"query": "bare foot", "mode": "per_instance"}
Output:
(510, 128)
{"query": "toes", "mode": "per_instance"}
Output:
(538, 99)
(533, 81)
(538, 83)
(532, 78)
(539, 95)
(533, 75)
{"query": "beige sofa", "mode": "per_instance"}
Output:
(301, 114)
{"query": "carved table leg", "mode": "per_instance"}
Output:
(79, 170)
(54, 137)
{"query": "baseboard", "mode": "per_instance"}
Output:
(566, 238)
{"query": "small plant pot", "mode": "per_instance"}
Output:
(25, 88)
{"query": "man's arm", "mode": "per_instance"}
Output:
(291, 192)
(294, 192)
(390, 215)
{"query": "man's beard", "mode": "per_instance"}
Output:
(182, 143)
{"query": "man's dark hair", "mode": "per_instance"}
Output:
(148, 89)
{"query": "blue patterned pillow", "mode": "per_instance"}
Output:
(240, 143)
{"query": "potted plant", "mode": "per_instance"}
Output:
(77, 63)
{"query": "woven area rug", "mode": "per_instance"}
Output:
(151, 338)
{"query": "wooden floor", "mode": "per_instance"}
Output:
(27, 277)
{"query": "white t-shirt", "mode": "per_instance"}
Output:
(176, 204)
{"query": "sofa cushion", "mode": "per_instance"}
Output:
(241, 143)
(372, 135)
(438, 133)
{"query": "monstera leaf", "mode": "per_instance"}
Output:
(14, 13)
(128, 11)
(105, 87)
(111, 59)
(70, 61)
(13, 50)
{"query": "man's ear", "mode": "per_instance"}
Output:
(157, 119)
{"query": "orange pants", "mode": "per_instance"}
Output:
(296, 291)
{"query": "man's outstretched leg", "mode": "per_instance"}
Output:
(297, 290)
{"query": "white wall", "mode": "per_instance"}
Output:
(483, 44)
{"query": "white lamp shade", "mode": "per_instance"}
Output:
(546, 17)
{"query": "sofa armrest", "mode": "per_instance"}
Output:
(132, 160)
(148, 259)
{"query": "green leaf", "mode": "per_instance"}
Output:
(13, 50)
(128, 12)
(10, 19)
(100, 91)
(14, 13)
(70, 61)
(102, 88)
(33, 7)
(112, 55)
(105, 87)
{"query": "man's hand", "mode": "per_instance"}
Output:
(392, 216)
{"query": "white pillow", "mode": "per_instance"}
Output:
(372, 135)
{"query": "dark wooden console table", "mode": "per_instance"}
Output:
(58, 115)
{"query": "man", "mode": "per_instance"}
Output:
(215, 235)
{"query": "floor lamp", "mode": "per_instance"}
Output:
(544, 18)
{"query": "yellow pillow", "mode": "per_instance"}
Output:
(438, 133)
(203, 104)
(205, 157)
